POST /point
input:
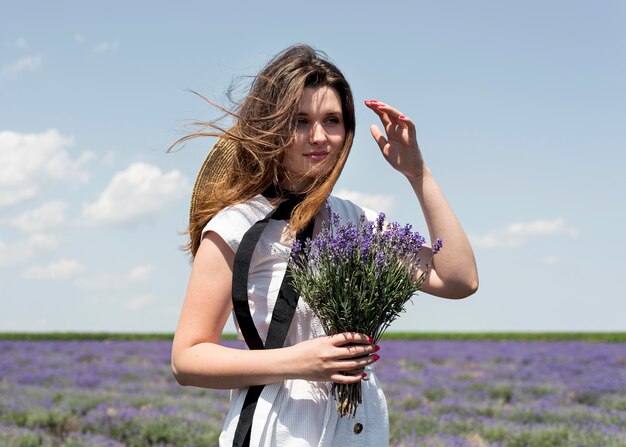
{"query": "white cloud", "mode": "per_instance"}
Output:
(141, 273)
(106, 46)
(22, 250)
(79, 38)
(58, 270)
(173, 311)
(25, 325)
(115, 281)
(100, 282)
(139, 302)
(49, 215)
(14, 69)
(8, 198)
(136, 194)
(375, 202)
(550, 259)
(19, 44)
(541, 228)
(42, 241)
(517, 234)
(29, 161)
(109, 158)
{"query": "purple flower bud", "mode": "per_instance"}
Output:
(296, 247)
(437, 246)
(380, 221)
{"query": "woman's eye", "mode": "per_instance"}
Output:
(301, 122)
(333, 120)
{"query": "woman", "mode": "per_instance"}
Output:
(289, 142)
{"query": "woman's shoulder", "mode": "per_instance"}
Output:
(233, 221)
(251, 210)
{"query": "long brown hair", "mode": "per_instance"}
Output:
(264, 126)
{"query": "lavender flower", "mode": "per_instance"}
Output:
(437, 246)
(494, 392)
(358, 277)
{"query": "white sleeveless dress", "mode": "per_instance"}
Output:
(294, 412)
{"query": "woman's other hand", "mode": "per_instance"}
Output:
(399, 142)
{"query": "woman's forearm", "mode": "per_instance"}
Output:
(455, 264)
(209, 365)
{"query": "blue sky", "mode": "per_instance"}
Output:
(520, 115)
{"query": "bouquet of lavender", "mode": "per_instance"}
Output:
(358, 278)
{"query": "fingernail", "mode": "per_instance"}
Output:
(363, 375)
(370, 339)
(373, 100)
(376, 357)
(402, 117)
(376, 348)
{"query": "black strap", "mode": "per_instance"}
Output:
(284, 308)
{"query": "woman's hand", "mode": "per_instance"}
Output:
(330, 358)
(399, 146)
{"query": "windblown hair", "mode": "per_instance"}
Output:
(264, 126)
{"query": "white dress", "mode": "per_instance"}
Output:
(294, 412)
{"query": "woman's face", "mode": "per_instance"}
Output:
(320, 132)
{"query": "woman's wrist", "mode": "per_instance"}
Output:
(287, 363)
(419, 174)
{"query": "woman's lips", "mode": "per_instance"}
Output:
(316, 156)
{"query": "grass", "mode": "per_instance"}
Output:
(610, 337)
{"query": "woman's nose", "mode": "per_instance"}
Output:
(318, 134)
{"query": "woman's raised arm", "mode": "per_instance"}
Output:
(454, 273)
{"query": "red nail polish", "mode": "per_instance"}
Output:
(402, 117)
(376, 357)
(373, 100)
(363, 375)
(376, 348)
(370, 339)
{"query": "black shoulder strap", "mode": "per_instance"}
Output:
(284, 308)
(241, 269)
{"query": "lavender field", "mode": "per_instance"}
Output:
(440, 393)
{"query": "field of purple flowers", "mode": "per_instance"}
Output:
(440, 393)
